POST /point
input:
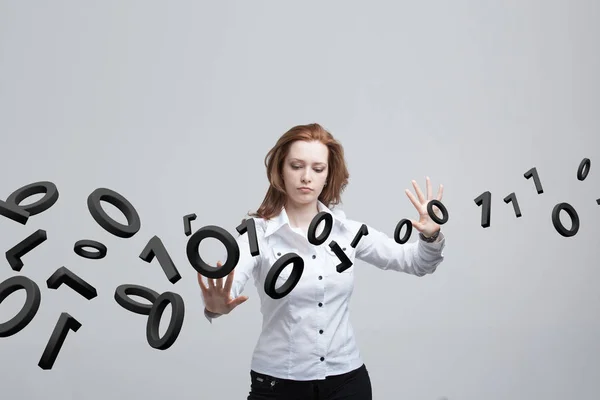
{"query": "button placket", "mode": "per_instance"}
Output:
(317, 259)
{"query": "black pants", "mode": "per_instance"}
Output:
(354, 385)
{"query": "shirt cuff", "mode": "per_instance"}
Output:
(437, 240)
(210, 315)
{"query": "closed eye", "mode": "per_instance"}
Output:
(317, 169)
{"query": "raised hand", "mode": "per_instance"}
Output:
(217, 297)
(425, 225)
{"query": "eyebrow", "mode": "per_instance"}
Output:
(297, 159)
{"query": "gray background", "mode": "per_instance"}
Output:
(175, 106)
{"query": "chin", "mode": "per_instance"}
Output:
(303, 200)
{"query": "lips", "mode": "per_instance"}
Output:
(305, 189)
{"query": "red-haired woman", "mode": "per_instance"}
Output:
(307, 348)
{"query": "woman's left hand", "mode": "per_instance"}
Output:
(425, 224)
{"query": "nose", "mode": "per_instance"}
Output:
(306, 176)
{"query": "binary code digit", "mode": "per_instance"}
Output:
(30, 308)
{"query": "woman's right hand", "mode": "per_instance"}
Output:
(217, 297)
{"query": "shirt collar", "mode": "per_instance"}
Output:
(275, 223)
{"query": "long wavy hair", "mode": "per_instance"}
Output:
(337, 178)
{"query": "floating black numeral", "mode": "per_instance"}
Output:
(123, 293)
(12, 209)
(399, 226)
(484, 200)
(65, 323)
(345, 261)
(187, 223)
(153, 323)
(233, 251)
(536, 179)
(560, 228)
(362, 231)
(13, 256)
(293, 279)
(92, 255)
(105, 221)
(156, 248)
(30, 308)
(584, 169)
(69, 278)
(312, 229)
(249, 226)
(512, 198)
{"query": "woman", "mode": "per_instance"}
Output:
(307, 349)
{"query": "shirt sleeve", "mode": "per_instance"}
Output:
(243, 270)
(416, 258)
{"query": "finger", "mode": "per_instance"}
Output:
(429, 190)
(416, 225)
(201, 283)
(211, 283)
(418, 191)
(237, 301)
(229, 282)
(440, 192)
(413, 200)
(219, 280)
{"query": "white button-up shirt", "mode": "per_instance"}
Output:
(307, 334)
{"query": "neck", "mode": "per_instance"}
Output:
(301, 215)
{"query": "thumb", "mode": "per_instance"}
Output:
(417, 225)
(237, 301)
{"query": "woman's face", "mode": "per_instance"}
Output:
(305, 167)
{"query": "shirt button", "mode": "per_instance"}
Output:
(278, 254)
(322, 358)
(320, 277)
(314, 256)
(321, 331)
(344, 249)
(320, 304)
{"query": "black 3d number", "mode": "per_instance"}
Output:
(441, 207)
(584, 166)
(92, 255)
(156, 248)
(312, 229)
(362, 231)
(402, 223)
(13, 256)
(105, 221)
(536, 179)
(12, 209)
(177, 315)
(30, 308)
(292, 281)
(512, 198)
(65, 323)
(123, 293)
(72, 280)
(339, 252)
(572, 214)
(187, 223)
(249, 225)
(485, 201)
(233, 251)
